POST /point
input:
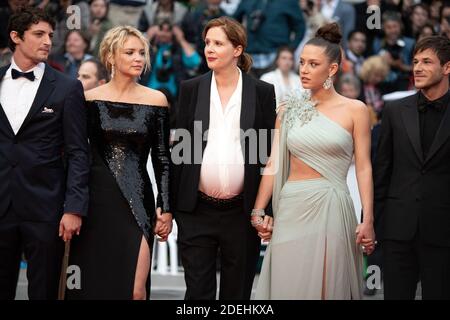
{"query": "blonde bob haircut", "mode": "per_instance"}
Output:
(115, 38)
(374, 64)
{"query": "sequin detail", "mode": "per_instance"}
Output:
(123, 134)
(298, 108)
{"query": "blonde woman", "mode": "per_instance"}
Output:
(373, 72)
(126, 121)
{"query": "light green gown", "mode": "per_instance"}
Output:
(313, 252)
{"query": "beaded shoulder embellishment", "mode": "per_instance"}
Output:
(298, 107)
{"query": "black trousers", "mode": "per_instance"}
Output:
(43, 250)
(407, 262)
(207, 232)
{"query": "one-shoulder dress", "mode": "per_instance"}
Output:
(313, 252)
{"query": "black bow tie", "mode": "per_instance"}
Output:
(424, 104)
(17, 74)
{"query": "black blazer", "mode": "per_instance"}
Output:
(33, 177)
(412, 193)
(258, 112)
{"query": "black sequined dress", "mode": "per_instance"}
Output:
(122, 203)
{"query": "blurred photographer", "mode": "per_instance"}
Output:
(364, 12)
(310, 8)
(172, 59)
(156, 12)
(314, 19)
(357, 43)
(396, 50)
(270, 25)
(415, 19)
(341, 12)
(100, 24)
(313, 16)
(445, 20)
(58, 9)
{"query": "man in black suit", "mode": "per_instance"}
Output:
(44, 163)
(412, 180)
(207, 224)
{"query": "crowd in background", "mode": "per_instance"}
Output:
(377, 58)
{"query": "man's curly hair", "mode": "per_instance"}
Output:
(22, 20)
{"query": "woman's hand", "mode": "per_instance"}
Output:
(365, 237)
(152, 32)
(163, 225)
(263, 225)
(178, 33)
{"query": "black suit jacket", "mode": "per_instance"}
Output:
(412, 193)
(33, 177)
(258, 112)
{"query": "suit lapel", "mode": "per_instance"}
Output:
(203, 105)
(411, 121)
(248, 105)
(3, 116)
(45, 88)
(441, 135)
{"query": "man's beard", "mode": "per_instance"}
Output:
(431, 83)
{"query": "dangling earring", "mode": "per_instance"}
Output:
(328, 83)
(113, 71)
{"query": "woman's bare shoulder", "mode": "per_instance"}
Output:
(358, 109)
(153, 97)
(353, 105)
(97, 93)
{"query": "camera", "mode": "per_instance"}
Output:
(163, 73)
(309, 8)
(395, 49)
(165, 23)
(256, 18)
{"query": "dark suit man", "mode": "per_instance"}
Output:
(202, 234)
(43, 159)
(412, 179)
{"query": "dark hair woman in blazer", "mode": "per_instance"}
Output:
(228, 117)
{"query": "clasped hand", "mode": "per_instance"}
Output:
(365, 237)
(163, 225)
(263, 225)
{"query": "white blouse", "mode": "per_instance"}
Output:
(222, 170)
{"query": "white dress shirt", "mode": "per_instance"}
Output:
(282, 89)
(230, 6)
(328, 8)
(17, 95)
(222, 170)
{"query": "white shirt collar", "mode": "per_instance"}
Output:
(38, 70)
(329, 8)
(235, 97)
(353, 57)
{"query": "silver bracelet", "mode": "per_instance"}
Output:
(258, 212)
